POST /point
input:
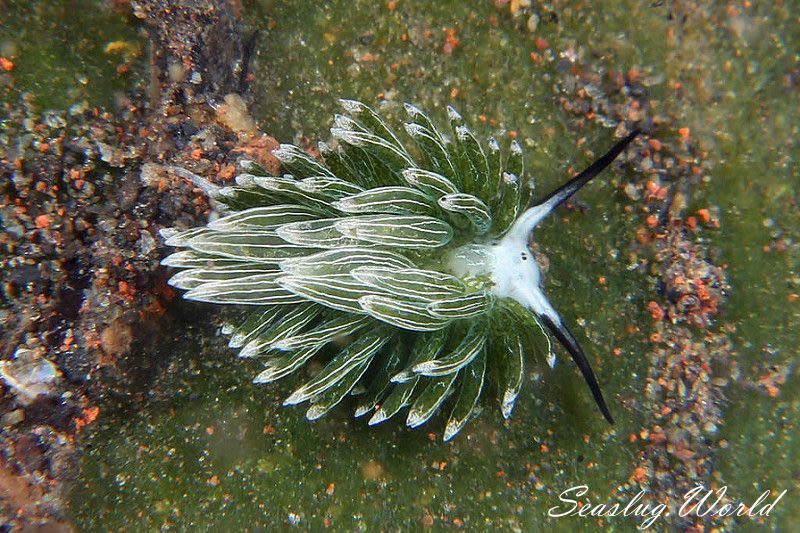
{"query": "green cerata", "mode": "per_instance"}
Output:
(404, 266)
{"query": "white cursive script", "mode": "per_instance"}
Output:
(700, 502)
(634, 507)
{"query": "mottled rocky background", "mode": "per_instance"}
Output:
(85, 191)
(121, 406)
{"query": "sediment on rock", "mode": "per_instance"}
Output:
(83, 194)
(690, 354)
(199, 50)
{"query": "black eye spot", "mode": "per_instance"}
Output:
(524, 256)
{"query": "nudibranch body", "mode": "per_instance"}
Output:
(415, 260)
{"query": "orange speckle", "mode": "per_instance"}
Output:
(6, 64)
(655, 144)
(450, 42)
(123, 287)
(544, 448)
(793, 297)
(632, 437)
(226, 172)
(331, 487)
(655, 311)
(691, 222)
(601, 280)
(512, 134)
(684, 133)
(652, 221)
(210, 430)
(197, 153)
(640, 474)
(213, 481)
(42, 222)
(391, 6)
(90, 414)
(541, 44)
(704, 215)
